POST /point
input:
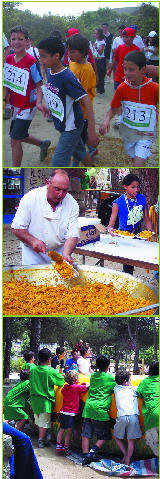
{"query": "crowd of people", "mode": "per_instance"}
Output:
(71, 73)
(82, 373)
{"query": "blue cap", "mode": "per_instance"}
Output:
(133, 26)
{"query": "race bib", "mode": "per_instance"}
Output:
(54, 103)
(15, 79)
(139, 116)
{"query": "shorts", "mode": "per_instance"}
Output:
(129, 425)
(66, 421)
(152, 439)
(140, 148)
(43, 420)
(21, 122)
(100, 428)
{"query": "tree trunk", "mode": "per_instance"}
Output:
(35, 337)
(7, 348)
(149, 183)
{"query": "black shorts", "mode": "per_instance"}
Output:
(19, 129)
(100, 428)
(66, 421)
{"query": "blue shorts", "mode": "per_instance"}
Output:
(70, 144)
(19, 129)
(66, 421)
(129, 425)
(100, 428)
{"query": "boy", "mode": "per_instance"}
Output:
(127, 414)
(15, 402)
(62, 94)
(29, 359)
(78, 48)
(138, 97)
(96, 409)
(42, 381)
(71, 393)
(128, 35)
(148, 389)
(58, 360)
(21, 78)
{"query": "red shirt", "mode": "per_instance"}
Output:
(71, 393)
(120, 53)
(147, 93)
(26, 63)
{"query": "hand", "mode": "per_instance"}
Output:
(109, 71)
(104, 127)
(38, 246)
(110, 230)
(68, 258)
(45, 111)
(93, 139)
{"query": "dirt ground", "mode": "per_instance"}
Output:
(110, 151)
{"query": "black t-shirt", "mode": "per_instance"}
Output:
(108, 41)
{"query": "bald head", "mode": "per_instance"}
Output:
(57, 187)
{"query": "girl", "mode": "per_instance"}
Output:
(99, 51)
(131, 208)
(71, 393)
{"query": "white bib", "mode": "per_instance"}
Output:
(54, 103)
(15, 79)
(139, 116)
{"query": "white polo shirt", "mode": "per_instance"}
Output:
(126, 400)
(52, 227)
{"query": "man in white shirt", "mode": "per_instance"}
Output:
(47, 219)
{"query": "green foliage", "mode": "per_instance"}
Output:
(40, 27)
(12, 365)
(25, 341)
(20, 364)
(148, 355)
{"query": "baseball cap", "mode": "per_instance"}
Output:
(152, 34)
(71, 31)
(129, 32)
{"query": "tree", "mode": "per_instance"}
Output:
(35, 336)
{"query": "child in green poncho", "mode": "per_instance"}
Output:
(15, 402)
(148, 389)
(43, 378)
(96, 409)
(29, 359)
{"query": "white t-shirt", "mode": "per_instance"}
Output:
(126, 400)
(84, 364)
(99, 43)
(52, 227)
(33, 51)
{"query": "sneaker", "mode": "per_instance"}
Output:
(41, 443)
(90, 457)
(43, 149)
(60, 449)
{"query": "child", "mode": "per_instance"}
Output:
(131, 207)
(128, 35)
(127, 414)
(78, 47)
(148, 389)
(21, 78)
(62, 94)
(58, 360)
(29, 359)
(83, 362)
(100, 59)
(15, 402)
(71, 392)
(42, 381)
(96, 409)
(138, 97)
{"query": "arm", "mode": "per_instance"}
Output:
(5, 95)
(93, 138)
(147, 220)
(42, 108)
(105, 126)
(100, 49)
(113, 218)
(69, 246)
(30, 240)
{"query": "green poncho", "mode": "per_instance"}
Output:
(42, 382)
(149, 390)
(15, 403)
(99, 397)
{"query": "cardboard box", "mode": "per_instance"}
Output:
(88, 234)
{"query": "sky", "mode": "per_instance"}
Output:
(74, 8)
